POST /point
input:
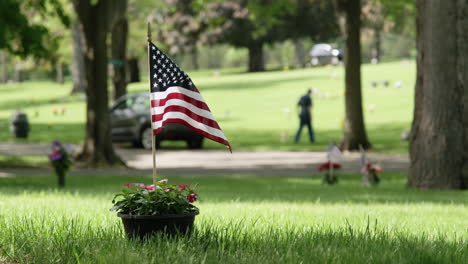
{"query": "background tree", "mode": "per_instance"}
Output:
(248, 24)
(18, 35)
(180, 28)
(119, 51)
(78, 65)
(354, 130)
(97, 18)
(314, 19)
(439, 140)
(384, 16)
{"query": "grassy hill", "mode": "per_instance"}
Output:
(255, 110)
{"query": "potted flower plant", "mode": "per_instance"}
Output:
(160, 208)
(329, 167)
(61, 161)
(371, 174)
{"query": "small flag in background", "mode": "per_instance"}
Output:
(175, 99)
(363, 160)
(333, 152)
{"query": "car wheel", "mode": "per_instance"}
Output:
(146, 138)
(195, 143)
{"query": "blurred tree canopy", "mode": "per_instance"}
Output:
(247, 24)
(23, 32)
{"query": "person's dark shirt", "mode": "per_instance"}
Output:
(305, 103)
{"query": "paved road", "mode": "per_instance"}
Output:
(221, 162)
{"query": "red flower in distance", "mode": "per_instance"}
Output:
(192, 197)
(372, 167)
(326, 166)
(183, 186)
(149, 187)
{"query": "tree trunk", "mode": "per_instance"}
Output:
(134, 70)
(96, 20)
(377, 50)
(3, 64)
(195, 64)
(439, 139)
(78, 66)
(354, 130)
(299, 53)
(59, 72)
(119, 53)
(256, 63)
(18, 75)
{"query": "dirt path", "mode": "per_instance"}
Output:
(216, 162)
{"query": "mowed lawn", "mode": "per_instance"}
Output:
(255, 110)
(243, 220)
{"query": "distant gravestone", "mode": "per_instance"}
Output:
(19, 125)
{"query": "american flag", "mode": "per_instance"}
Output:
(175, 99)
(333, 152)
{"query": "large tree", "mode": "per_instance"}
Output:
(97, 19)
(354, 130)
(439, 140)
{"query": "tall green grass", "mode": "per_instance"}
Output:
(243, 220)
(255, 110)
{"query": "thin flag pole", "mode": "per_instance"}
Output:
(153, 137)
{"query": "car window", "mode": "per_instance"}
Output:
(121, 106)
(140, 103)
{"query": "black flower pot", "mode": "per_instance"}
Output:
(141, 226)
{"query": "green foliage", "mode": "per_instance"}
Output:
(20, 34)
(159, 199)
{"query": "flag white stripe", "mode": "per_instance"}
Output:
(176, 89)
(194, 123)
(177, 102)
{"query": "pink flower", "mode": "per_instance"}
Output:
(55, 156)
(372, 167)
(192, 197)
(183, 186)
(163, 181)
(167, 189)
(149, 187)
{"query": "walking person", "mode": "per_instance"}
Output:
(305, 117)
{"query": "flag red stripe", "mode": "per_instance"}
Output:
(196, 130)
(186, 98)
(192, 115)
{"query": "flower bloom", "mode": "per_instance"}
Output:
(149, 187)
(183, 186)
(167, 189)
(328, 164)
(192, 197)
(163, 181)
(56, 146)
(374, 168)
(55, 156)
